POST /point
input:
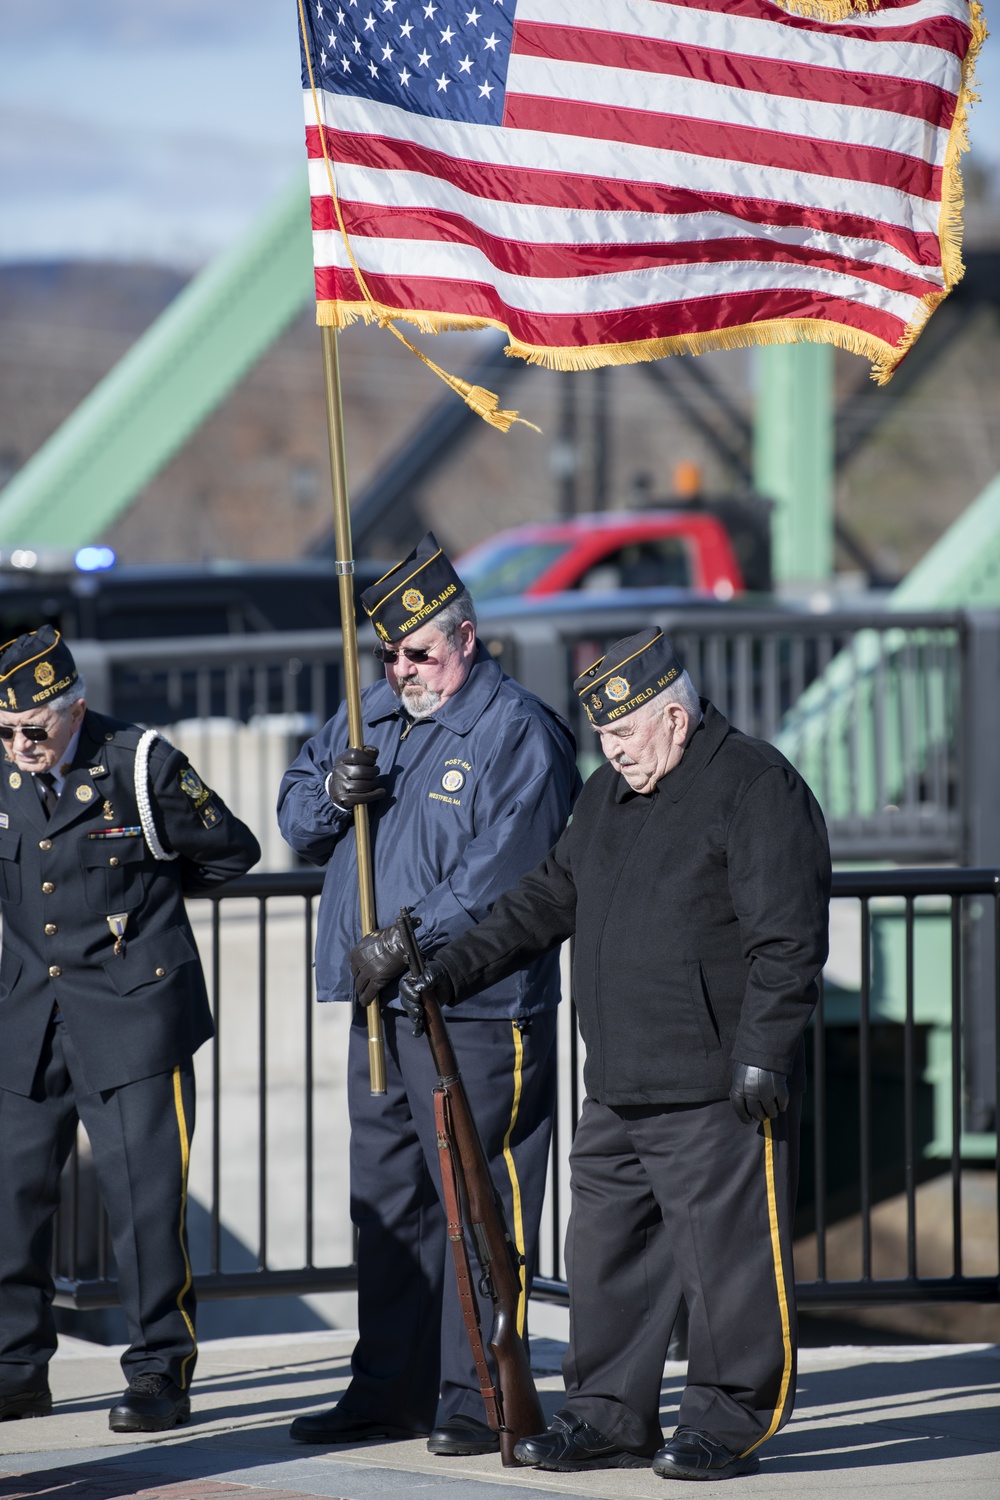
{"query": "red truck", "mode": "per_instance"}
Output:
(605, 551)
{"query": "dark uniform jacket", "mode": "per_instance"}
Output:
(700, 913)
(476, 794)
(143, 1011)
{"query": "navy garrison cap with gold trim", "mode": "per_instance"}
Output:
(412, 592)
(629, 674)
(34, 668)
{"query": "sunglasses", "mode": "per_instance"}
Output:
(390, 655)
(34, 732)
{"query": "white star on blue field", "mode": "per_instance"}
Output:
(434, 58)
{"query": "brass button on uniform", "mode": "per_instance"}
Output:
(160, 973)
(51, 929)
(45, 843)
(114, 861)
(47, 887)
(55, 971)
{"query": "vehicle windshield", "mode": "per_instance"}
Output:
(508, 568)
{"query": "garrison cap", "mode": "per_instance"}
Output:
(34, 668)
(412, 592)
(629, 674)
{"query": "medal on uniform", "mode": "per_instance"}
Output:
(109, 812)
(118, 923)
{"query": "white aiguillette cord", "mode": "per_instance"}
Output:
(150, 834)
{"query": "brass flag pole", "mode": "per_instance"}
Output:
(352, 677)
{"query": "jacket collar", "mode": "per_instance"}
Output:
(462, 712)
(705, 741)
(86, 771)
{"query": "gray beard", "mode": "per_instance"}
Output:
(420, 705)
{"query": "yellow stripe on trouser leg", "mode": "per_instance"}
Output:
(515, 1187)
(185, 1139)
(779, 1277)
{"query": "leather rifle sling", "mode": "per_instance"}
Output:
(463, 1271)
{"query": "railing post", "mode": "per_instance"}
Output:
(980, 794)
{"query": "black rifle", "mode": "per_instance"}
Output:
(470, 1193)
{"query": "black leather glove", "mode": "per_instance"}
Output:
(354, 778)
(411, 992)
(378, 958)
(757, 1093)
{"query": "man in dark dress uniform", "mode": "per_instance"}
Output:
(469, 779)
(696, 877)
(102, 1005)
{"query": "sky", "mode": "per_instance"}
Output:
(157, 130)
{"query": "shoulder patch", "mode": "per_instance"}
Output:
(192, 786)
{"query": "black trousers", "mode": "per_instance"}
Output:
(140, 1136)
(412, 1342)
(672, 1200)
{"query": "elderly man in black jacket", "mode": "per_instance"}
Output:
(103, 829)
(696, 877)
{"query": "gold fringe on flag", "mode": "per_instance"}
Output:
(483, 402)
(950, 224)
(826, 10)
(953, 193)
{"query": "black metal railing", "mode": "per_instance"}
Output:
(872, 706)
(904, 1067)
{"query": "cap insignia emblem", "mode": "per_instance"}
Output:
(617, 689)
(413, 600)
(44, 673)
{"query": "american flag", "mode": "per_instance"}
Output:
(616, 180)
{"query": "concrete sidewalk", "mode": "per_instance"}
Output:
(893, 1422)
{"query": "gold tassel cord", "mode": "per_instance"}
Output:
(483, 402)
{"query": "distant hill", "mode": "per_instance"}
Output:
(253, 481)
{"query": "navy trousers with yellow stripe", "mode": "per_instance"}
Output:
(140, 1137)
(672, 1200)
(412, 1342)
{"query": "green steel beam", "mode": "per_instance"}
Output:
(793, 456)
(830, 732)
(174, 376)
(962, 569)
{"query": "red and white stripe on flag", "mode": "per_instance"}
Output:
(661, 176)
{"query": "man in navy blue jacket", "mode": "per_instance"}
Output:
(469, 780)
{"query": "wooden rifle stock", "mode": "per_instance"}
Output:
(517, 1409)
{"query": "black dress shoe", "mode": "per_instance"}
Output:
(695, 1455)
(25, 1401)
(152, 1403)
(570, 1445)
(462, 1435)
(339, 1425)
